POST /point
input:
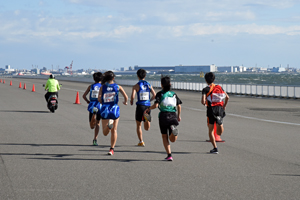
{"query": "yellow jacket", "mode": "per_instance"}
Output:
(52, 85)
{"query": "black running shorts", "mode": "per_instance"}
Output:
(166, 119)
(215, 114)
(139, 112)
(98, 117)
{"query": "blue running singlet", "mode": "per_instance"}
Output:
(94, 92)
(110, 99)
(143, 95)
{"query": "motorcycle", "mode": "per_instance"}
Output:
(52, 102)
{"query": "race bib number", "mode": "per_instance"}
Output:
(218, 97)
(95, 93)
(144, 96)
(109, 97)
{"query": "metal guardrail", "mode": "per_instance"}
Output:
(237, 89)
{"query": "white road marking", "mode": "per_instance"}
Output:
(245, 117)
(63, 88)
(235, 115)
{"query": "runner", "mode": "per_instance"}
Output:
(110, 111)
(167, 101)
(143, 90)
(213, 96)
(94, 105)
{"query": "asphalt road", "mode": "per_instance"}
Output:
(50, 156)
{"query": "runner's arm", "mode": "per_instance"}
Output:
(134, 90)
(100, 95)
(226, 101)
(153, 94)
(85, 94)
(124, 95)
(155, 105)
(179, 112)
(203, 100)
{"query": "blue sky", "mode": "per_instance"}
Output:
(102, 34)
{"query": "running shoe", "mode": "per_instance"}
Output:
(141, 144)
(214, 151)
(174, 130)
(95, 110)
(95, 143)
(110, 124)
(147, 117)
(169, 158)
(111, 152)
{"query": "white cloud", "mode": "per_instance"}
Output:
(123, 31)
(200, 29)
(222, 16)
(154, 18)
(272, 3)
(75, 28)
(17, 12)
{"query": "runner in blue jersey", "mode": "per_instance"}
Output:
(110, 111)
(94, 105)
(143, 89)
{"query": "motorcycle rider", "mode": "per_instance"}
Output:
(53, 86)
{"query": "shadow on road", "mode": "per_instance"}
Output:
(69, 157)
(25, 111)
(38, 145)
(285, 174)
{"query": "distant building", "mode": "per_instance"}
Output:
(278, 69)
(195, 68)
(179, 68)
(80, 70)
(231, 69)
(239, 68)
(155, 69)
(225, 69)
(36, 71)
(252, 69)
(262, 69)
(7, 70)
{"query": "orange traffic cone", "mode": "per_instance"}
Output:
(20, 85)
(10, 83)
(33, 88)
(217, 137)
(0, 80)
(77, 101)
(3, 81)
(24, 86)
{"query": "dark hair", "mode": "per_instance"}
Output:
(141, 73)
(209, 77)
(97, 77)
(166, 83)
(108, 76)
(52, 76)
